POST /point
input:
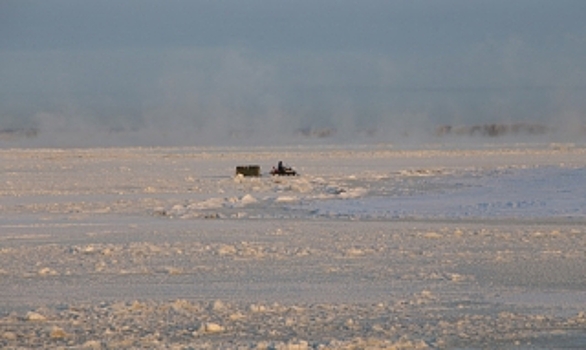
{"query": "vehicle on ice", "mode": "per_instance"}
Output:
(282, 170)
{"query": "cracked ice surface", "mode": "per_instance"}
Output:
(369, 248)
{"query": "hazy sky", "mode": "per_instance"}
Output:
(198, 72)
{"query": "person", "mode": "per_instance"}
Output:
(280, 167)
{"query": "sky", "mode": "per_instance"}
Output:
(145, 72)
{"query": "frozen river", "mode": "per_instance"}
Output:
(370, 247)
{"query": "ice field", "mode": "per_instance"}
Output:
(371, 247)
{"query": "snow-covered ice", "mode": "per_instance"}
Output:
(371, 247)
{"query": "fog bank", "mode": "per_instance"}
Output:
(183, 73)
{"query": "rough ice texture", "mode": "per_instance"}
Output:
(371, 248)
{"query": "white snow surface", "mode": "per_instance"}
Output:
(369, 248)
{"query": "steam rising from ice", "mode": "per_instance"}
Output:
(229, 96)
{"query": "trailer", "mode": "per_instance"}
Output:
(248, 170)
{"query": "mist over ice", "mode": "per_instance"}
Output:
(118, 74)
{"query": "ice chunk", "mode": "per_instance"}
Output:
(248, 199)
(211, 327)
(35, 317)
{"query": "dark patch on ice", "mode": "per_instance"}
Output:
(493, 130)
(18, 133)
